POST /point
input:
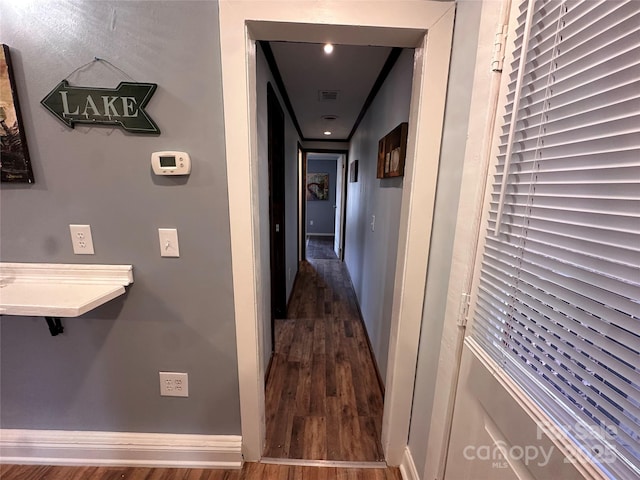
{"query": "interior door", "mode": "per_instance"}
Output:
(276, 206)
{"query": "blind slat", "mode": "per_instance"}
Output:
(577, 359)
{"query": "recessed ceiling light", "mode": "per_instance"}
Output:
(328, 48)
(327, 132)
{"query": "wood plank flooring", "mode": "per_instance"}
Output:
(323, 398)
(37, 472)
(320, 248)
(250, 471)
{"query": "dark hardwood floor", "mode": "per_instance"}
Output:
(323, 398)
(320, 248)
(250, 471)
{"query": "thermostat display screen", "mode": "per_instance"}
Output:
(171, 163)
(166, 162)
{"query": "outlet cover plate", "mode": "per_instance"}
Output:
(81, 239)
(174, 384)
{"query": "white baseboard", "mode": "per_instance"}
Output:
(59, 447)
(407, 467)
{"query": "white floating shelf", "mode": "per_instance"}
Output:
(59, 290)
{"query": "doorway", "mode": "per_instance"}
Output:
(381, 23)
(325, 219)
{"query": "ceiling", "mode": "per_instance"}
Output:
(336, 85)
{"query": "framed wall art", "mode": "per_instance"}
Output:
(353, 171)
(392, 150)
(15, 165)
(317, 186)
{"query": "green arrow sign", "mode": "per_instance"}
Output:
(122, 106)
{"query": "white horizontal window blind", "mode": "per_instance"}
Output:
(559, 294)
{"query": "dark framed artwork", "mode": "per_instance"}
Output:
(317, 186)
(392, 150)
(353, 171)
(15, 165)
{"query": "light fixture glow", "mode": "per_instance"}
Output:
(328, 48)
(327, 132)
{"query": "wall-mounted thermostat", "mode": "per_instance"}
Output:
(171, 163)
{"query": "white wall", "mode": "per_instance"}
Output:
(264, 76)
(370, 256)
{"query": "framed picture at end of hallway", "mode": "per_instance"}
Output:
(15, 165)
(317, 186)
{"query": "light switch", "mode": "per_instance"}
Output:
(169, 242)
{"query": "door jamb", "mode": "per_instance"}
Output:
(242, 22)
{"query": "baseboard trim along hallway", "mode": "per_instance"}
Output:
(59, 447)
(322, 463)
(408, 468)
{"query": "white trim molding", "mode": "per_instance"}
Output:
(66, 273)
(60, 447)
(401, 23)
(408, 468)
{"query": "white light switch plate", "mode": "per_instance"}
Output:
(169, 242)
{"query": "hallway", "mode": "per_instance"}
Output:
(323, 399)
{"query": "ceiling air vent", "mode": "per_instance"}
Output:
(326, 95)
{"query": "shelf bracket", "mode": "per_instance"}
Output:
(55, 325)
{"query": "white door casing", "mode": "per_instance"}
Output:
(426, 26)
(341, 171)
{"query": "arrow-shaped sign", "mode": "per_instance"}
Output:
(122, 106)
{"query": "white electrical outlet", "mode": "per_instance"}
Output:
(174, 384)
(81, 239)
(310, 222)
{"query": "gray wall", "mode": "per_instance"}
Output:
(371, 256)
(448, 191)
(102, 374)
(322, 212)
(264, 76)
